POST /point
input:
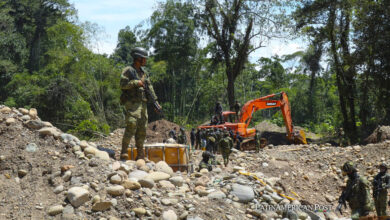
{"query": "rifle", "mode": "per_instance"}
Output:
(340, 205)
(345, 195)
(149, 94)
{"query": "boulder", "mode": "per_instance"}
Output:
(101, 206)
(116, 190)
(177, 180)
(146, 182)
(35, 124)
(169, 215)
(10, 121)
(157, 176)
(49, 131)
(33, 113)
(244, 193)
(138, 174)
(77, 196)
(55, 210)
(166, 184)
(216, 195)
(102, 155)
(130, 184)
(162, 166)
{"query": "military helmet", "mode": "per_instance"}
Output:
(206, 154)
(139, 52)
(348, 167)
(384, 165)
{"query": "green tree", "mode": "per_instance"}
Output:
(238, 28)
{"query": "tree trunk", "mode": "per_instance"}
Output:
(338, 68)
(349, 74)
(230, 90)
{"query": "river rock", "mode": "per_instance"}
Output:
(157, 176)
(77, 196)
(138, 174)
(146, 182)
(244, 193)
(55, 210)
(162, 166)
(131, 184)
(101, 206)
(177, 180)
(116, 190)
(169, 215)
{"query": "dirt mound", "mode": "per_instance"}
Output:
(380, 134)
(27, 163)
(156, 132)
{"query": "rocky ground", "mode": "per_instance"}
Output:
(48, 174)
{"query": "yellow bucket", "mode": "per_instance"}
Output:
(175, 155)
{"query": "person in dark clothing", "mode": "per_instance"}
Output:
(172, 134)
(218, 112)
(192, 138)
(239, 140)
(197, 139)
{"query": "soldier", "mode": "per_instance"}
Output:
(182, 138)
(225, 146)
(197, 139)
(356, 193)
(341, 135)
(203, 135)
(172, 133)
(218, 112)
(210, 141)
(238, 141)
(206, 163)
(218, 137)
(136, 92)
(192, 138)
(380, 185)
(257, 141)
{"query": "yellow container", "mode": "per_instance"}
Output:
(175, 155)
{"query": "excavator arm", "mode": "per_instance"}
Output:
(264, 103)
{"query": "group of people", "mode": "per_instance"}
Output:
(357, 191)
(181, 138)
(218, 118)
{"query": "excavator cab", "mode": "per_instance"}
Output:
(229, 116)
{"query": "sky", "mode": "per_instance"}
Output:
(113, 15)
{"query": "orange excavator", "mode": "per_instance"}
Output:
(246, 114)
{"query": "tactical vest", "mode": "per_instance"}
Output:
(225, 143)
(136, 94)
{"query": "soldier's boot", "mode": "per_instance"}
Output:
(140, 136)
(124, 155)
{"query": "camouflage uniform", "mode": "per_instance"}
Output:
(205, 163)
(218, 137)
(257, 141)
(225, 145)
(210, 141)
(357, 192)
(135, 101)
(182, 138)
(380, 185)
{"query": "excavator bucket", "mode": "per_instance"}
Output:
(300, 138)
